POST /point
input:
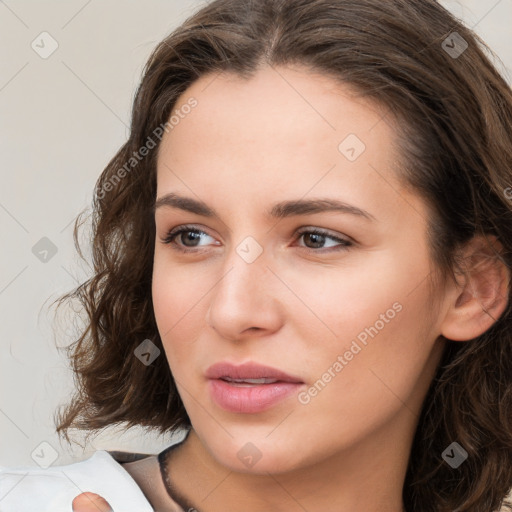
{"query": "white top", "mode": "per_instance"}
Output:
(30, 489)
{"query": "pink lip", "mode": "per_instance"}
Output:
(248, 370)
(252, 398)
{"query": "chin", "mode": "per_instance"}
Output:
(260, 456)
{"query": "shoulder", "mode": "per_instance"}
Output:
(24, 489)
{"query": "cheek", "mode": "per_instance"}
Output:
(382, 363)
(331, 307)
(176, 292)
(180, 303)
(374, 348)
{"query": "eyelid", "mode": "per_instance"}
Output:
(343, 241)
(183, 228)
(324, 232)
(299, 231)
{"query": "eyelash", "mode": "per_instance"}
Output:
(174, 233)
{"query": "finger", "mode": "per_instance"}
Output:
(90, 502)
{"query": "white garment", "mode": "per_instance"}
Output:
(32, 489)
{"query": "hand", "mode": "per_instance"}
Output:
(90, 502)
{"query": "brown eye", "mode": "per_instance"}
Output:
(188, 238)
(316, 239)
(191, 236)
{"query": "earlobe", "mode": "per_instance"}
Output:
(481, 296)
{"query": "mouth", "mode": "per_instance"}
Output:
(249, 388)
(249, 382)
(250, 372)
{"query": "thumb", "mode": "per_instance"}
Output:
(90, 502)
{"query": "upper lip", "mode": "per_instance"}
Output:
(248, 370)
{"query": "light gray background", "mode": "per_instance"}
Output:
(61, 120)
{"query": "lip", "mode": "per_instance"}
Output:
(248, 370)
(249, 399)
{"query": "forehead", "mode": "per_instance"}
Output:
(283, 133)
(280, 109)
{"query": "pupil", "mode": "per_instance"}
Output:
(192, 235)
(313, 235)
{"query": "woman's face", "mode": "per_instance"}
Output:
(345, 312)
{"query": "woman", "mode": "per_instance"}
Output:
(302, 258)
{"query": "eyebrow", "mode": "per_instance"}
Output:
(278, 211)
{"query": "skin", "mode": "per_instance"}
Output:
(246, 146)
(90, 502)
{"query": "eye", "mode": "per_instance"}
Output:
(312, 236)
(317, 237)
(192, 238)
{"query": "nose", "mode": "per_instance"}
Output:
(246, 300)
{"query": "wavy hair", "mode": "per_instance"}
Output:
(454, 113)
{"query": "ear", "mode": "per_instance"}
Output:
(479, 298)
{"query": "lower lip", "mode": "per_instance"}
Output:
(250, 399)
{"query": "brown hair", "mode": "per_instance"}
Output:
(455, 133)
